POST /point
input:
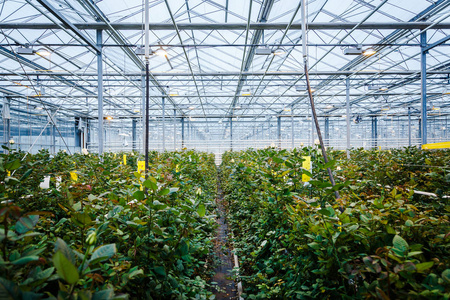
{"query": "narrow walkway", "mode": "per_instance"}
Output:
(226, 288)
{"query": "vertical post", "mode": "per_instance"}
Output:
(409, 126)
(143, 110)
(133, 134)
(423, 81)
(292, 129)
(231, 134)
(420, 129)
(147, 106)
(374, 132)
(347, 108)
(100, 90)
(279, 131)
(327, 131)
(312, 129)
(174, 129)
(6, 116)
(182, 132)
(163, 123)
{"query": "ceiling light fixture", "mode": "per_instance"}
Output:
(43, 52)
(279, 51)
(369, 52)
(355, 50)
(160, 52)
(109, 118)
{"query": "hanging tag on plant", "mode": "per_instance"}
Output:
(8, 172)
(74, 176)
(307, 165)
(125, 159)
(46, 183)
(141, 166)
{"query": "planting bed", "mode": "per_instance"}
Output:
(379, 240)
(95, 234)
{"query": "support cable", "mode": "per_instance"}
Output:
(311, 100)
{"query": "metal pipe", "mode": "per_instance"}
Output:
(174, 130)
(347, 109)
(100, 91)
(292, 129)
(423, 80)
(409, 126)
(279, 131)
(163, 124)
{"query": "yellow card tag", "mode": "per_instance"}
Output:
(8, 173)
(124, 159)
(307, 166)
(141, 166)
(74, 176)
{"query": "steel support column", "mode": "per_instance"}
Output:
(313, 128)
(143, 110)
(163, 124)
(231, 134)
(182, 132)
(327, 132)
(133, 134)
(423, 84)
(279, 131)
(374, 132)
(292, 128)
(174, 130)
(347, 109)
(409, 126)
(6, 116)
(100, 90)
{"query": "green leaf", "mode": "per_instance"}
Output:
(11, 166)
(65, 269)
(201, 210)
(314, 245)
(160, 270)
(25, 224)
(328, 211)
(60, 245)
(25, 176)
(150, 185)
(8, 290)
(104, 252)
(390, 230)
(104, 295)
(25, 260)
(139, 195)
(400, 243)
(81, 219)
(164, 192)
(409, 223)
(424, 266)
(446, 275)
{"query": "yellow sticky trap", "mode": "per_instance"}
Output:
(141, 169)
(141, 166)
(8, 173)
(74, 176)
(124, 159)
(114, 155)
(442, 145)
(307, 166)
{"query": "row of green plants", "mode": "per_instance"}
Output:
(407, 168)
(101, 230)
(294, 240)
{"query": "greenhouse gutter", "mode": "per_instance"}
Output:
(230, 26)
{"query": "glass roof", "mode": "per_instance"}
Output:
(213, 70)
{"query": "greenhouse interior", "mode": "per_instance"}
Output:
(224, 149)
